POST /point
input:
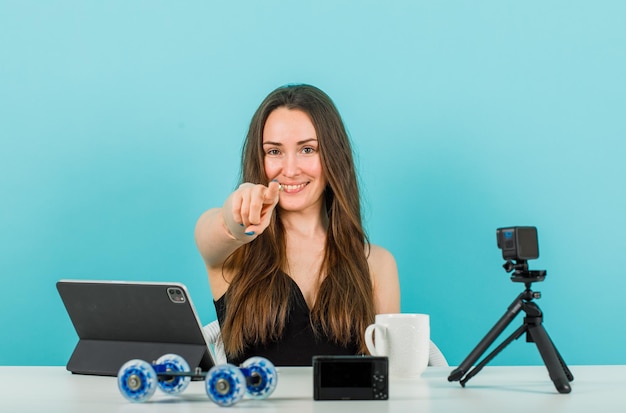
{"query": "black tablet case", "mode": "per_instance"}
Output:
(119, 321)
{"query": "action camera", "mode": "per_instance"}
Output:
(518, 243)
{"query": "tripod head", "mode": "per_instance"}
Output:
(521, 273)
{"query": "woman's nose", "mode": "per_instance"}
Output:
(290, 166)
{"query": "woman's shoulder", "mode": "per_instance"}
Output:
(382, 263)
(385, 280)
(379, 255)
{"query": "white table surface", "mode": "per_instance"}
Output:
(528, 389)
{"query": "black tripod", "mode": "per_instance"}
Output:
(533, 327)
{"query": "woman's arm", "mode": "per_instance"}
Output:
(384, 272)
(246, 213)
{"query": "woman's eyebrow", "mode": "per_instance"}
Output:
(299, 142)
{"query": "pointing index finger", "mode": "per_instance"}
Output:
(273, 189)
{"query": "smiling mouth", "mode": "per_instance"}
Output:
(292, 188)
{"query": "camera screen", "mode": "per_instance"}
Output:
(346, 374)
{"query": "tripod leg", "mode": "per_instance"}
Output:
(516, 334)
(567, 371)
(551, 357)
(490, 337)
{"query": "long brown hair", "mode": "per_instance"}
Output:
(257, 298)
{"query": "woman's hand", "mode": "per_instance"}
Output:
(251, 207)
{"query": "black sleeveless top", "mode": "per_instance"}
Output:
(298, 344)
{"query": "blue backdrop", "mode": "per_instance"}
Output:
(121, 122)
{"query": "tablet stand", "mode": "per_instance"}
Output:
(532, 326)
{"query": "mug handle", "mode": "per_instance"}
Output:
(369, 341)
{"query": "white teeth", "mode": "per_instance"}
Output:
(292, 187)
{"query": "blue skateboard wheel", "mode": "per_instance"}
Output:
(261, 377)
(225, 384)
(137, 380)
(174, 363)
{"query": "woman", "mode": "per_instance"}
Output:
(290, 267)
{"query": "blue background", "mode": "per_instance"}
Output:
(122, 121)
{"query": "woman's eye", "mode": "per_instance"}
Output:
(273, 152)
(308, 150)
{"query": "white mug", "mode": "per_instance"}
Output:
(404, 339)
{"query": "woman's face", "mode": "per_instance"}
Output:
(292, 158)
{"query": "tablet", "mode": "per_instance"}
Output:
(117, 321)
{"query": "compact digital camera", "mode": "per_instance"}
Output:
(350, 378)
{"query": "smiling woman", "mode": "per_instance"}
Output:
(292, 158)
(290, 267)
